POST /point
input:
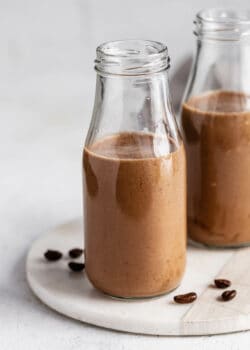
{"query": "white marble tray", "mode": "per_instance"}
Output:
(71, 294)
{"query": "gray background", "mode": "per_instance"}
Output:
(47, 83)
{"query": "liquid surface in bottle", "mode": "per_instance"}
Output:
(135, 210)
(217, 138)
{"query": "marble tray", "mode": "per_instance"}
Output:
(72, 295)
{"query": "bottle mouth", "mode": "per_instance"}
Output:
(223, 24)
(131, 57)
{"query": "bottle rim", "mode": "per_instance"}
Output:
(131, 57)
(222, 24)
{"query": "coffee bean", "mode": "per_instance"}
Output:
(52, 255)
(222, 283)
(75, 253)
(76, 267)
(228, 295)
(185, 298)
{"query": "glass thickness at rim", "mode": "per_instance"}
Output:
(131, 57)
(223, 24)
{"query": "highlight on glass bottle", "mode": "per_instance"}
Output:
(134, 175)
(215, 120)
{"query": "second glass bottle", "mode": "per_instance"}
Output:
(216, 125)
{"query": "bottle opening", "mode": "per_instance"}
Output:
(131, 57)
(223, 24)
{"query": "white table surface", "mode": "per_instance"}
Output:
(46, 94)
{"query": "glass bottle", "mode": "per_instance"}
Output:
(134, 175)
(215, 120)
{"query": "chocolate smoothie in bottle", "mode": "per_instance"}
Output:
(216, 127)
(134, 176)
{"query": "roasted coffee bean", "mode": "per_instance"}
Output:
(52, 255)
(75, 253)
(222, 283)
(76, 267)
(185, 298)
(228, 295)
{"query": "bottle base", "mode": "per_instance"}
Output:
(198, 244)
(138, 298)
(132, 297)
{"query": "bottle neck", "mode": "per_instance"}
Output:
(131, 57)
(218, 24)
(223, 51)
(133, 104)
(222, 65)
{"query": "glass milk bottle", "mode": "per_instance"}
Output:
(134, 175)
(216, 127)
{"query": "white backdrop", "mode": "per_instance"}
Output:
(47, 82)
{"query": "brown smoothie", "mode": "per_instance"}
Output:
(135, 214)
(217, 139)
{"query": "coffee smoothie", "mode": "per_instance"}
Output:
(135, 210)
(217, 139)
